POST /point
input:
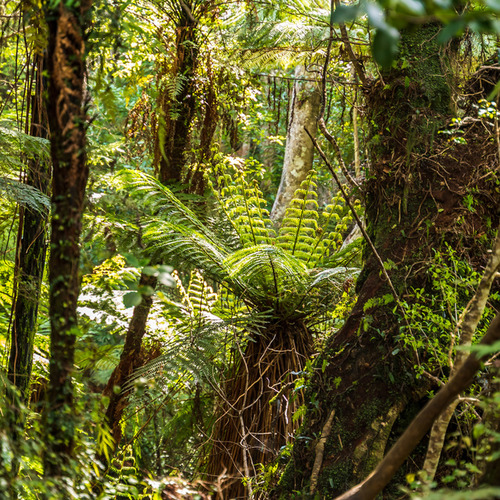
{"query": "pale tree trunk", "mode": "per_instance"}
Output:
(299, 150)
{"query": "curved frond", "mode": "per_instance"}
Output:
(267, 274)
(25, 195)
(243, 204)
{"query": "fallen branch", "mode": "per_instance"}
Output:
(380, 477)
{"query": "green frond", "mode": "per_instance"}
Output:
(25, 195)
(300, 224)
(333, 224)
(201, 296)
(17, 147)
(243, 204)
(160, 199)
(266, 274)
(175, 242)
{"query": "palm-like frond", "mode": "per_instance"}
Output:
(25, 195)
(177, 242)
(15, 149)
(267, 275)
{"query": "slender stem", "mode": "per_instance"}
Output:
(360, 224)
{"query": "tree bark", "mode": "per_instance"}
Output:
(130, 360)
(32, 249)
(413, 205)
(299, 151)
(67, 119)
(177, 101)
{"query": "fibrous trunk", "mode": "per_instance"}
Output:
(258, 401)
(31, 255)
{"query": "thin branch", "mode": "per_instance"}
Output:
(360, 224)
(352, 56)
(321, 119)
(320, 450)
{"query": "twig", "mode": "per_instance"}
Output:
(348, 47)
(321, 119)
(329, 137)
(320, 450)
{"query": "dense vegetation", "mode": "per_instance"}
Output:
(249, 249)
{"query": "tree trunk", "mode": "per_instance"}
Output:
(413, 205)
(67, 119)
(31, 256)
(258, 401)
(130, 360)
(299, 151)
(177, 102)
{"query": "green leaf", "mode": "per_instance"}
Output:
(132, 299)
(376, 16)
(454, 28)
(150, 271)
(344, 13)
(132, 261)
(493, 5)
(385, 46)
(412, 7)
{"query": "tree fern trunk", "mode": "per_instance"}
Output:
(31, 254)
(256, 414)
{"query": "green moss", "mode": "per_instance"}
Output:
(423, 64)
(335, 479)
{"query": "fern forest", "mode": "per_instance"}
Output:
(250, 250)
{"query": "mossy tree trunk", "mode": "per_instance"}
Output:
(178, 102)
(67, 22)
(30, 258)
(413, 196)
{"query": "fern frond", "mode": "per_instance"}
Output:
(243, 204)
(177, 241)
(266, 274)
(25, 195)
(300, 224)
(161, 199)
